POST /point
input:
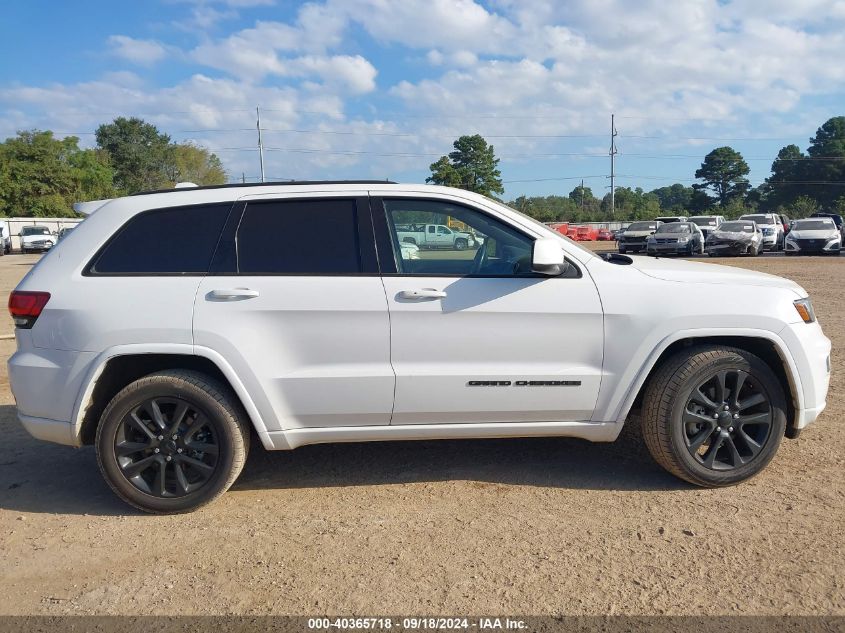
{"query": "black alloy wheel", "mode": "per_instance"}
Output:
(727, 420)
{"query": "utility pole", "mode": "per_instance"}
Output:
(613, 153)
(260, 144)
(582, 194)
(243, 177)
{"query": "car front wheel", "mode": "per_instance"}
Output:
(172, 441)
(714, 416)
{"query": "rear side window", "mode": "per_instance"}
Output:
(176, 240)
(299, 237)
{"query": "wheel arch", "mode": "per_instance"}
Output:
(115, 369)
(766, 345)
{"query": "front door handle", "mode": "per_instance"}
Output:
(233, 294)
(424, 293)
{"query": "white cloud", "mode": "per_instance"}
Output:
(141, 52)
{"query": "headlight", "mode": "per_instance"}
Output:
(805, 309)
(791, 238)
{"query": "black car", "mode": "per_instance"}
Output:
(837, 220)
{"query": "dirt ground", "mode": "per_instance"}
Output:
(539, 526)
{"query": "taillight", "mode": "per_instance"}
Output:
(25, 306)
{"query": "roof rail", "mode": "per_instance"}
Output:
(268, 184)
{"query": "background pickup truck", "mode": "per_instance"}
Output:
(433, 236)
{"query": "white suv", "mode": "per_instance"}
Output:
(170, 327)
(771, 227)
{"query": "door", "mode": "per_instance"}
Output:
(475, 335)
(295, 303)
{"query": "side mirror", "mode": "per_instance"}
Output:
(547, 257)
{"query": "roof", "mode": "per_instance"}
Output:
(267, 184)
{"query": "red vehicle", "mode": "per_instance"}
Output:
(583, 233)
(605, 235)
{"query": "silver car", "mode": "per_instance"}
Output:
(739, 237)
(814, 236)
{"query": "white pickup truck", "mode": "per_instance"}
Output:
(434, 236)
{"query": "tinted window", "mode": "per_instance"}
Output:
(675, 227)
(478, 245)
(299, 237)
(174, 240)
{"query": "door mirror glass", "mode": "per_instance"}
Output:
(547, 257)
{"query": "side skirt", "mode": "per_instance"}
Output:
(293, 438)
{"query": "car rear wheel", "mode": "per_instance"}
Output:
(461, 245)
(714, 416)
(171, 442)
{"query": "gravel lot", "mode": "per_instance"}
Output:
(541, 526)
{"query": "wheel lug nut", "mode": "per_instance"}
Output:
(175, 437)
(736, 416)
(160, 437)
(158, 450)
(715, 416)
(726, 407)
(178, 450)
(168, 458)
(731, 429)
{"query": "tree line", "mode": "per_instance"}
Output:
(800, 184)
(42, 176)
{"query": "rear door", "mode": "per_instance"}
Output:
(295, 303)
(475, 335)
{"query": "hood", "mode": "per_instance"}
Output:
(637, 233)
(817, 234)
(732, 235)
(683, 271)
(37, 238)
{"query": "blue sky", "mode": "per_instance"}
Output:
(380, 88)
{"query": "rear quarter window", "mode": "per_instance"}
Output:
(169, 241)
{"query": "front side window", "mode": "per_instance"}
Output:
(176, 240)
(478, 245)
(298, 237)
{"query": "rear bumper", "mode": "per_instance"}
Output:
(48, 430)
(46, 384)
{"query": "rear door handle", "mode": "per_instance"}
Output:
(424, 293)
(233, 294)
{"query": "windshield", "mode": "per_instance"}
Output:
(814, 225)
(704, 221)
(643, 226)
(737, 227)
(759, 219)
(675, 227)
(35, 230)
(668, 219)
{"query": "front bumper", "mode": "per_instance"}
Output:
(810, 350)
(730, 248)
(812, 246)
(674, 248)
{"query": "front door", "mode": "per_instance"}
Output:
(475, 335)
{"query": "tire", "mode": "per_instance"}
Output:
(672, 422)
(213, 420)
(622, 250)
(461, 244)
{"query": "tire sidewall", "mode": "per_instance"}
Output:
(163, 387)
(770, 384)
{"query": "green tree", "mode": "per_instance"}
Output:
(786, 184)
(42, 176)
(140, 155)
(472, 165)
(192, 163)
(675, 197)
(724, 172)
(826, 166)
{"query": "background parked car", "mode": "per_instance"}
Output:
(739, 237)
(814, 236)
(63, 233)
(634, 238)
(707, 223)
(837, 220)
(36, 239)
(787, 224)
(676, 238)
(671, 218)
(771, 227)
(605, 235)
